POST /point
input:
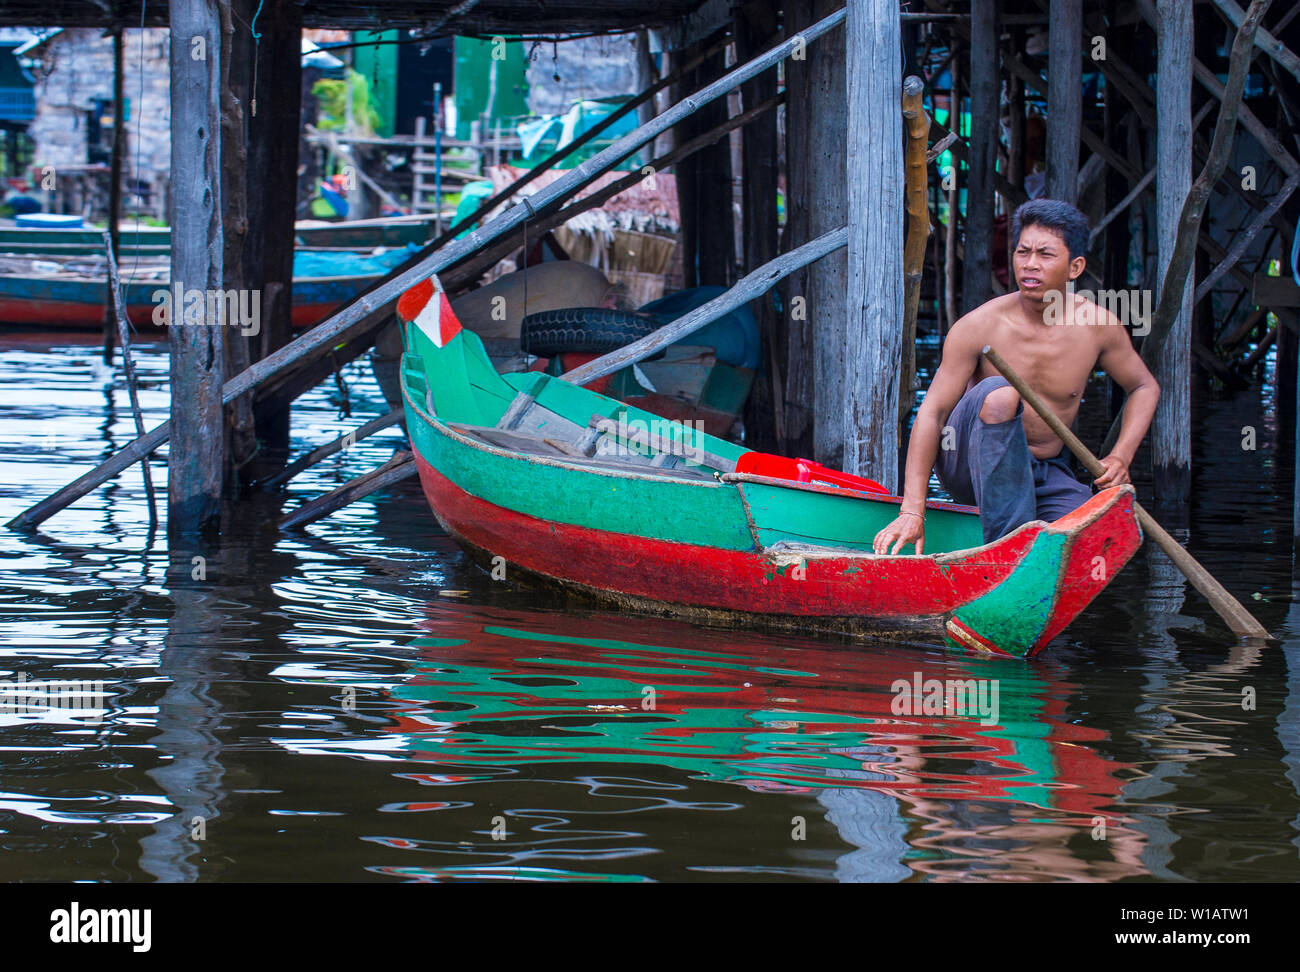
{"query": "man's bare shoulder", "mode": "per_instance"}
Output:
(981, 325)
(1100, 326)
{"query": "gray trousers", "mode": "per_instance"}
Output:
(989, 465)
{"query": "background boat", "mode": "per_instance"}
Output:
(71, 291)
(359, 234)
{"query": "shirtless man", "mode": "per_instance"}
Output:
(999, 455)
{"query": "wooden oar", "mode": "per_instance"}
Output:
(1230, 609)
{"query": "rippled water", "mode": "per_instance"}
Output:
(360, 703)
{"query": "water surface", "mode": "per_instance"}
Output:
(360, 703)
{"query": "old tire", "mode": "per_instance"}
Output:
(594, 330)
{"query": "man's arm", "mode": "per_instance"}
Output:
(957, 366)
(1119, 360)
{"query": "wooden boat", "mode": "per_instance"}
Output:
(70, 292)
(357, 234)
(517, 467)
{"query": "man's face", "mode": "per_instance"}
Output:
(1042, 262)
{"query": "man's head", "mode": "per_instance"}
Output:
(1051, 245)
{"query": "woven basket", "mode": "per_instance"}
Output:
(641, 287)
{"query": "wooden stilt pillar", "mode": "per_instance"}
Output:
(1015, 142)
(802, 207)
(240, 254)
(985, 85)
(709, 188)
(953, 231)
(1172, 438)
(1064, 98)
(818, 125)
(756, 30)
(259, 212)
(685, 171)
(273, 153)
(872, 345)
(197, 455)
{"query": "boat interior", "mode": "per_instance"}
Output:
(534, 414)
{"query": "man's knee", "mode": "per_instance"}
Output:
(1000, 405)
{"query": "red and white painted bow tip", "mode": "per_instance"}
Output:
(426, 306)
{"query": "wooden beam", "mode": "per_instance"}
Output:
(1265, 41)
(1274, 292)
(1064, 98)
(1175, 277)
(1094, 142)
(1243, 239)
(873, 338)
(196, 459)
(358, 339)
(1249, 121)
(345, 441)
(745, 289)
(715, 190)
(368, 310)
(401, 466)
(1121, 206)
(1142, 99)
(1243, 330)
(1210, 81)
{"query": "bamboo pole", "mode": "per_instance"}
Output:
(124, 336)
(1228, 607)
(950, 232)
(918, 232)
(340, 326)
(114, 187)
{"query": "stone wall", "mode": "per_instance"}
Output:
(76, 67)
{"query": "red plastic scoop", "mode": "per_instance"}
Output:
(803, 471)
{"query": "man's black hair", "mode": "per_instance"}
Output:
(1054, 215)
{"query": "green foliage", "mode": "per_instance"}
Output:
(332, 97)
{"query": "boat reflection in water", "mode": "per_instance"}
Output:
(500, 693)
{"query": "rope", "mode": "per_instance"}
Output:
(257, 50)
